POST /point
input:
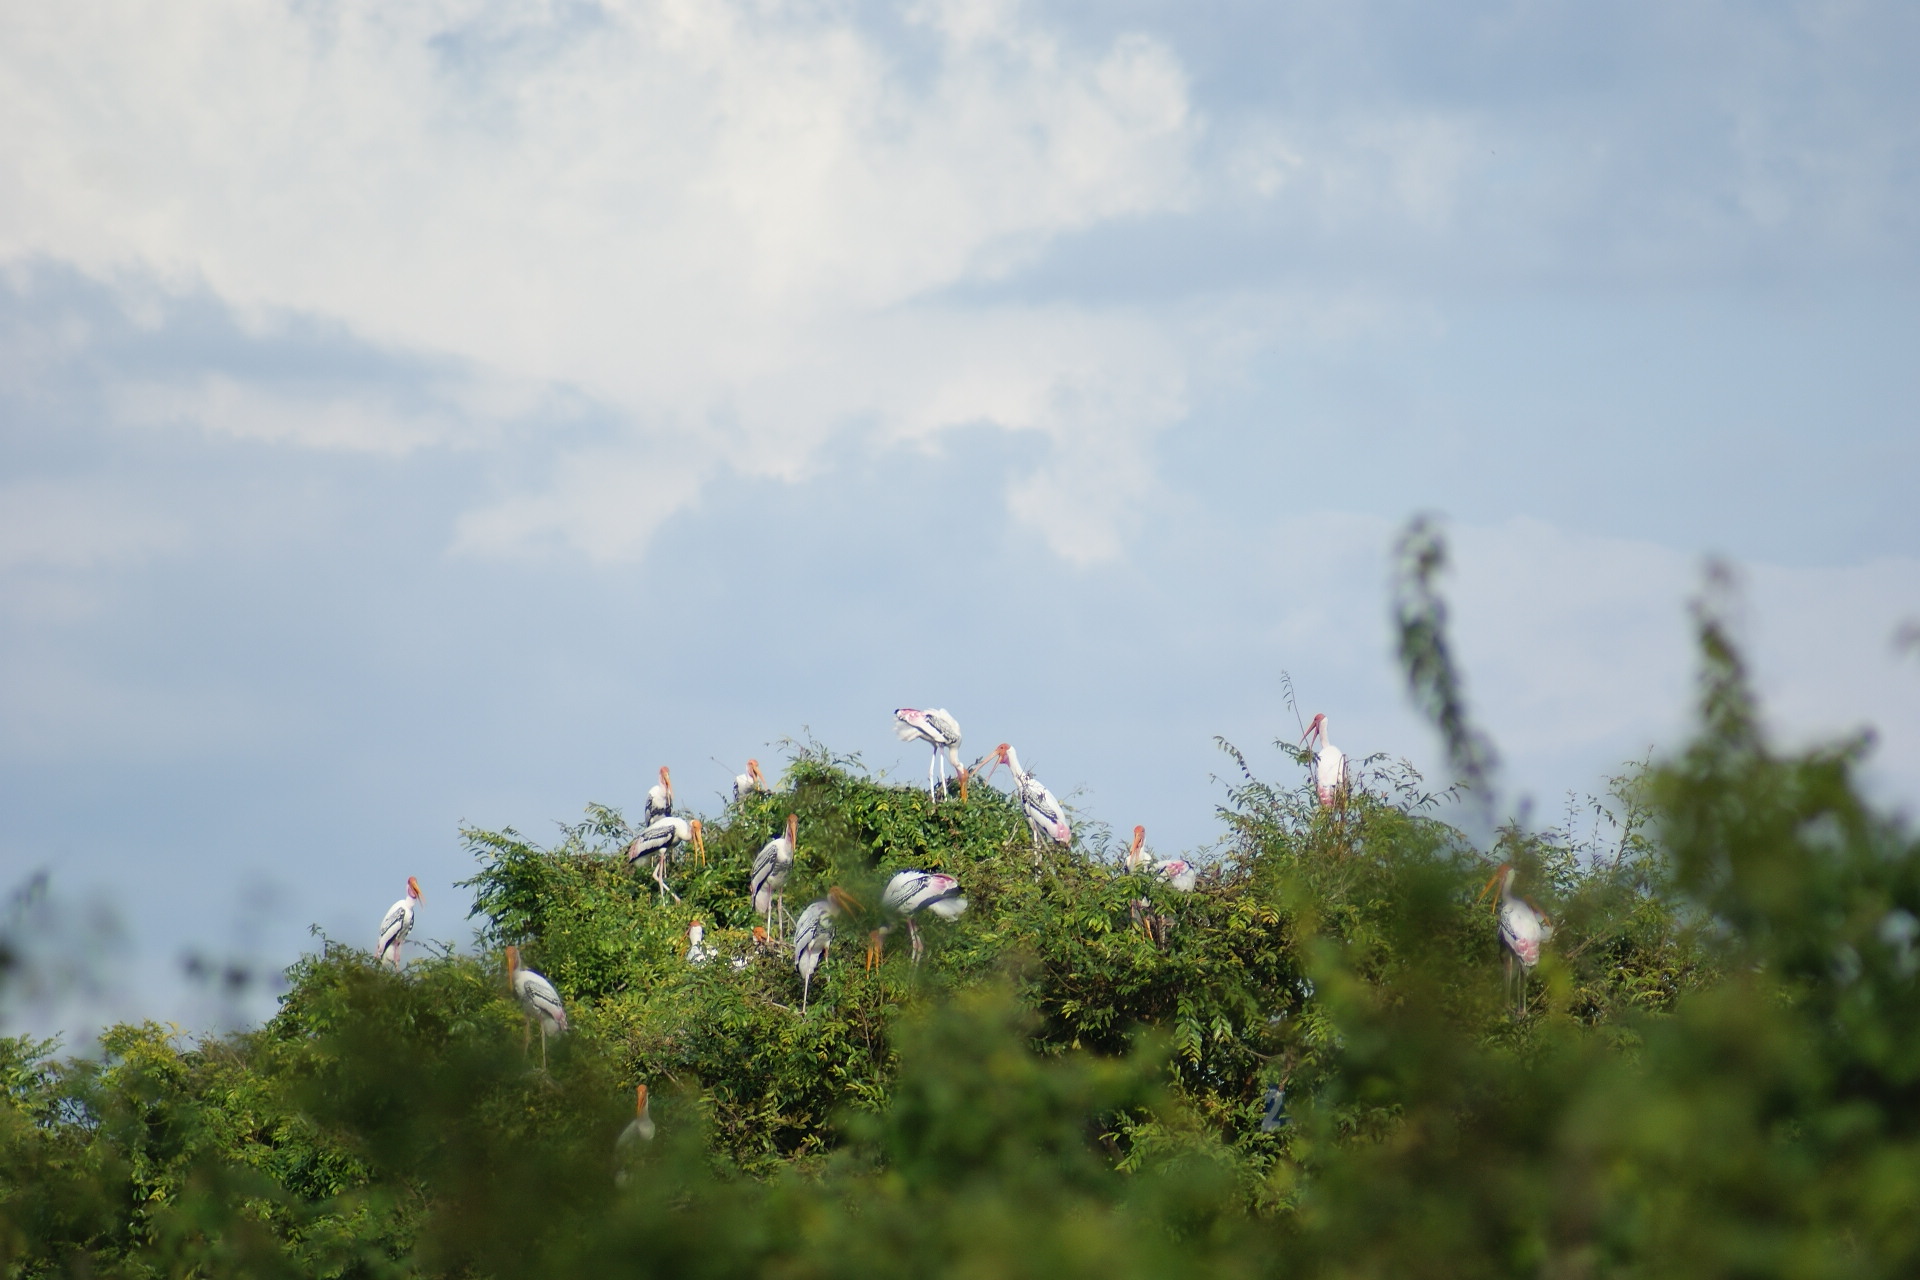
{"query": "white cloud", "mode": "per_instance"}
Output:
(703, 216)
(352, 422)
(80, 526)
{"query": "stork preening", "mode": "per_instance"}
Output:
(745, 784)
(659, 839)
(397, 924)
(539, 999)
(906, 896)
(935, 726)
(1524, 929)
(813, 934)
(772, 866)
(659, 800)
(1045, 817)
(1329, 765)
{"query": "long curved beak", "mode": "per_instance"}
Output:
(699, 844)
(1495, 879)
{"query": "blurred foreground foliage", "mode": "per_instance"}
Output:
(1720, 1074)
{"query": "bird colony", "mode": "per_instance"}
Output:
(913, 896)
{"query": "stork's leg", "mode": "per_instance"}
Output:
(930, 764)
(543, 1046)
(913, 931)
(806, 984)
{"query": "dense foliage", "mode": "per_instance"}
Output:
(1719, 1073)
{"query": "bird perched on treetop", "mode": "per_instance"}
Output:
(934, 725)
(659, 800)
(906, 896)
(538, 998)
(397, 924)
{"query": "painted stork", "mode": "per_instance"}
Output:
(772, 867)
(538, 998)
(1044, 814)
(698, 952)
(397, 925)
(639, 1131)
(659, 800)
(934, 725)
(1329, 765)
(745, 784)
(1138, 858)
(660, 839)
(906, 896)
(813, 934)
(1524, 929)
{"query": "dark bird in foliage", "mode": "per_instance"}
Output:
(907, 895)
(1329, 765)
(1524, 929)
(659, 800)
(935, 726)
(745, 784)
(538, 998)
(397, 925)
(659, 839)
(813, 934)
(1044, 814)
(771, 868)
(1276, 1109)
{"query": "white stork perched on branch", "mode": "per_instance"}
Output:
(1329, 765)
(906, 896)
(660, 839)
(397, 924)
(813, 934)
(745, 784)
(659, 800)
(1524, 929)
(1044, 814)
(938, 727)
(772, 867)
(539, 999)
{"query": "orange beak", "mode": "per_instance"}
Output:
(413, 888)
(699, 842)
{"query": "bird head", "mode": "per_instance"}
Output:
(666, 779)
(695, 930)
(1504, 870)
(759, 935)
(1133, 850)
(753, 771)
(1317, 728)
(413, 887)
(842, 900)
(640, 1102)
(513, 959)
(699, 842)
(793, 831)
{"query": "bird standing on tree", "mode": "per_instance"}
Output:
(397, 925)
(539, 999)
(934, 725)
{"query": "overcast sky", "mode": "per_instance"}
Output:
(424, 413)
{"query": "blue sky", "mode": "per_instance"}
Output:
(423, 413)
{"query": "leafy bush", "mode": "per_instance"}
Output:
(1719, 1073)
